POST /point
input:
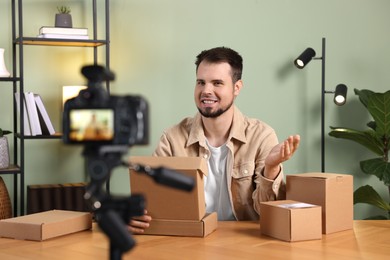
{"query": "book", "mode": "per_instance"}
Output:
(56, 192)
(68, 196)
(44, 119)
(79, 201)
(26, 122)
(63, 36)
(32, 114)
(62, 30)
(33, 197)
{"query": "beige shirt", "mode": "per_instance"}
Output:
(249, 143)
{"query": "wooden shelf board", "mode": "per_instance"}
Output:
(60, 42)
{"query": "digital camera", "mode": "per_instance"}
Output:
(95, 117)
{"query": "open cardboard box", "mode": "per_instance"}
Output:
(174, 212)
(290, 220)
(167, 203)
(45, 225)
(332, 191)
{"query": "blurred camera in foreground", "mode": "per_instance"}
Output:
(95, 117)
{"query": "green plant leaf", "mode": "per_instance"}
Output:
(366, 138)
(363, 94)
(372, 125)
(367, 194)
(378, 104)
(377, 167)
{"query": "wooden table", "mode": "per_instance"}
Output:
(370, 239)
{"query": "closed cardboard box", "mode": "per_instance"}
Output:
(163, 202)
(332, 191)
(290, 220)
(45, 225)
(188, 228)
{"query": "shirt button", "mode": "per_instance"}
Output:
(205, 156)
(245, 171)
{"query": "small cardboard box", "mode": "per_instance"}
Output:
(188, 228)
(290, 220)
(333, 192)
(45, 225)
(164, 202)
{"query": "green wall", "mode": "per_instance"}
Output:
(153, 48)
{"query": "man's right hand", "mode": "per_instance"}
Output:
(138, 225)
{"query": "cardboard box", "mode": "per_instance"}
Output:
(333, 192)
(190, 228)
(164, 202)
(45, 225)
(290, 220)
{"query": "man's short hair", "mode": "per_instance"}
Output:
(222, 54)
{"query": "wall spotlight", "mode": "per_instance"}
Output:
(305, 57)
(340, 94)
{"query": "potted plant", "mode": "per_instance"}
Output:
(4, 149)
(376, 139)
(63, 17)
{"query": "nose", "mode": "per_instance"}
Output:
(208, 88)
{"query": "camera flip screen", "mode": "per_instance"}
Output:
(91, 125)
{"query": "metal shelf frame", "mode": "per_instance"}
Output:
(17, 168)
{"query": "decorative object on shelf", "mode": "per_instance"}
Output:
(376, 139)
(63, 17)
(3, 69)
(5, 201)
(4, 149)
(63, 33)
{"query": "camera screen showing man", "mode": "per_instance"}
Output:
(91, 125)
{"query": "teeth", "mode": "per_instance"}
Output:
(208, 101)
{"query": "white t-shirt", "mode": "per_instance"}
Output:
(215, 184)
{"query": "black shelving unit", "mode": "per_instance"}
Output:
(19, 41)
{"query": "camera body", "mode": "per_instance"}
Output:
(94, 117)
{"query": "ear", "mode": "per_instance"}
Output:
(237, 87)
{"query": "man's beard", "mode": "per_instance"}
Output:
(209, 114)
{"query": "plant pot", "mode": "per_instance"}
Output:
(63, 20)
(4, 153)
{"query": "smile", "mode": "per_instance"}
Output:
(208, 101)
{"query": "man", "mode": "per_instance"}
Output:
(243, 154)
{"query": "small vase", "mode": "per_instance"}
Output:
(63, 20)
(4, 153)
(3, 69)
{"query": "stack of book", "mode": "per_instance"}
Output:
(36, 118)
(49, 32)
(67, 196)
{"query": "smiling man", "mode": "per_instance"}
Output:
(243, 154)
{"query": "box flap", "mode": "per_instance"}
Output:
(175, 163)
